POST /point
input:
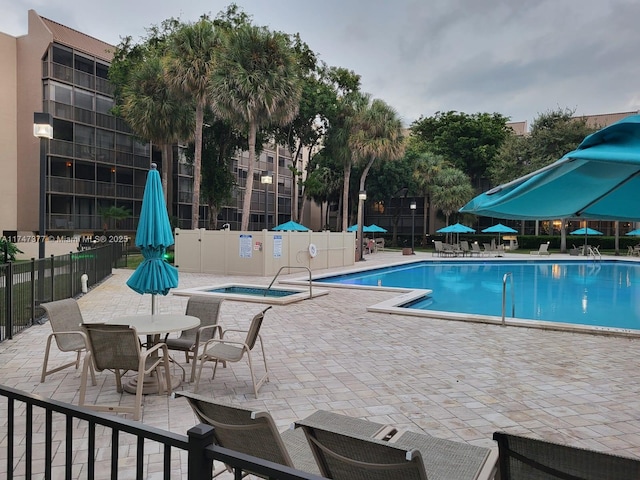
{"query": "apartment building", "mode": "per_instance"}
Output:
(94, 161)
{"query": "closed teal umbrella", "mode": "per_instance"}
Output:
(154, 275)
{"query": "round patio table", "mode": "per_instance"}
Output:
(153, 326)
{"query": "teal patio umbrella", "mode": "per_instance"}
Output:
(290, 226)
(456, 228)
(600, 179)
(585, 231)
(373, 228)
(499, 229)
(634, 233)
(154, 275)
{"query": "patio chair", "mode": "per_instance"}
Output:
(226, 350)
(252, 433)
(522, 458)
(65, 319)
(475, 250)
(346, 457)
(464, 247)
(353, 448)
(207, 309)
(380, 244)
(438, 248)
(117, 348)
(543, 250)
(488, 249)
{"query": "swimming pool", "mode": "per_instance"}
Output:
(597, 295)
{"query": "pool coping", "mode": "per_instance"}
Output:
(406, 295)
(301, 294)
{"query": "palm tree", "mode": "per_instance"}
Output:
(188, 66)
(451, 190)
(155, 112)
(376, 133)
(427, 167)
(256, 83)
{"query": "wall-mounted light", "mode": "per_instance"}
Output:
(362, 195)
(43, 125)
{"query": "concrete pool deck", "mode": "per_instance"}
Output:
(455, 380)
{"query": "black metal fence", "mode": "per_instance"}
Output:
(39, 433)
(25, 285)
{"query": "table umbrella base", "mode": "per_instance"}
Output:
(150, 385)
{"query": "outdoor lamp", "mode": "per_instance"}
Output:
(362, 195)
(413, 207)
(42, 129)
(266, 179)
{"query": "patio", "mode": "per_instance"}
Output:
(455, 380)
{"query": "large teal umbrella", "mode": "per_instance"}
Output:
(154, 275)
(291, 226)
(600, 179)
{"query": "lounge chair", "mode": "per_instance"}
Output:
(252, 433)
(475, 250)
(117, 348)
(543, 250)
(438, 248)
(464, 247)
(522, 458)
(380, 244)
(227, 350)
(351, 448)
(65, 319)
(207, 309)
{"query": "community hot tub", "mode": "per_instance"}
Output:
(276, 295)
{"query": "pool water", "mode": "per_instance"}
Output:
(601, 294)
(255, 291)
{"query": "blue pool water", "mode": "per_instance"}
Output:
(602, 294)
(253, 291)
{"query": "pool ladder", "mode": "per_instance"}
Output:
(504, 297)
(289, 266)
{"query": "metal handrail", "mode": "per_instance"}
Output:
(290, 266)
(504, 297)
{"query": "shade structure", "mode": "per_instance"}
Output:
(154, 275)
(634, 233)
(353, 228)
(291, 226)
(600, 180)
(499, 229)
(586, 231)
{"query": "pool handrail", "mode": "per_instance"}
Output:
(504, 297)
(290, 266)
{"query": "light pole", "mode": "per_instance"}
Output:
(413, 207)
(266, 180)
(42, 129)
(362, 196)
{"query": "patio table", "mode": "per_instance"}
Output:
(154, 325)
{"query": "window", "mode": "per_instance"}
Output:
(84, 135)
(62, 56)
(83, 99)
(104, 139)
(59, 93)
(103, 104)
(124, 143)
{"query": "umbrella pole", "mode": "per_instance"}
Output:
(153, 304)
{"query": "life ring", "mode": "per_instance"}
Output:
(313, 250)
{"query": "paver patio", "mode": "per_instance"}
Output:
(456, 380)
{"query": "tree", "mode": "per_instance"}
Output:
(113, 213)
(451, 190)
(376, 133)
(255, 83)
(469, 142)
(155, 112)
(427, 166)
(188, 66)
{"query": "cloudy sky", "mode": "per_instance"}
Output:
(516, 58)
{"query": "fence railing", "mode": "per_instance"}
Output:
(25, 285)
(38, 433)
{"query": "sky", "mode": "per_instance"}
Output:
(519, 59)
